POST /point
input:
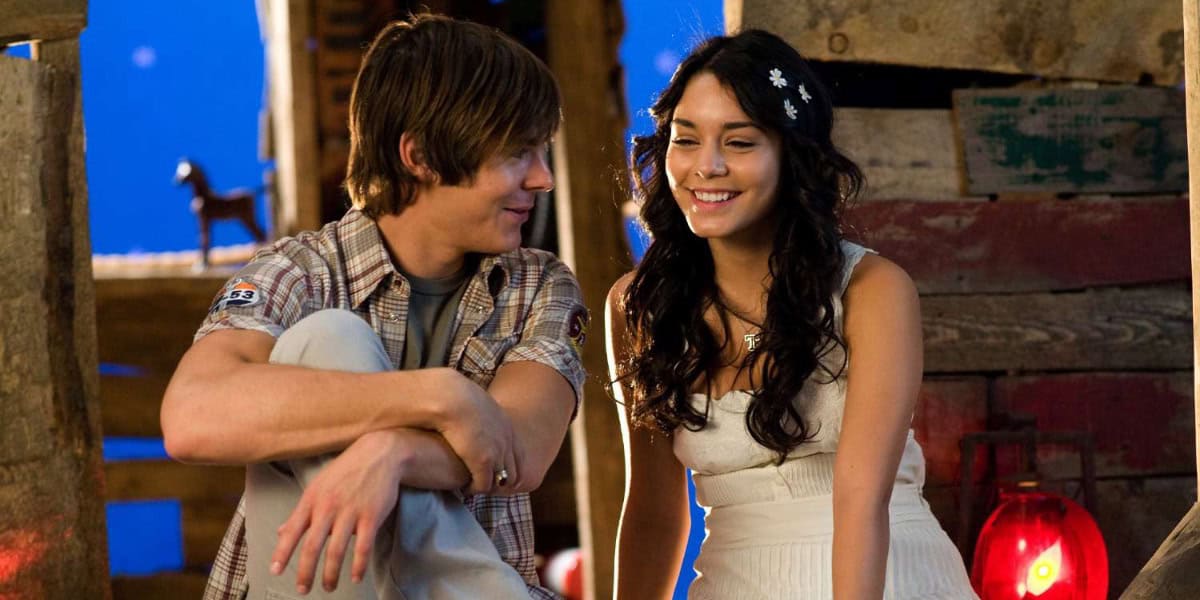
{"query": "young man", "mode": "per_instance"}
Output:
(372, 373)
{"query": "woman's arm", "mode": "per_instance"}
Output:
(654, 519)
(883, 337)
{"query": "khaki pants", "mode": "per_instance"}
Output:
(431, 546)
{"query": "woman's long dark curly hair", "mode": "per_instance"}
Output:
(673, 287)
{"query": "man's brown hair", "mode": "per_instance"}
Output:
(462, 91)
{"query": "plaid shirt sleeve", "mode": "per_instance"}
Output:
(555, 329)
(270, 294)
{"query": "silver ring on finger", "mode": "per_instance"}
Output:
(501, 477)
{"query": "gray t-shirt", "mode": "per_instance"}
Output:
(432, 307)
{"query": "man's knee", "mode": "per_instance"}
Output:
(335, 339)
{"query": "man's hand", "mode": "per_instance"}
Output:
(481, 434)
(352, 495)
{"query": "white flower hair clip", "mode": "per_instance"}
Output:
(789, 109)
(804, 95)
(777, 78)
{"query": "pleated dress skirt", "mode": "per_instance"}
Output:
(784, 549)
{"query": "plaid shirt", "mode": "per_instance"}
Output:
(524, 305)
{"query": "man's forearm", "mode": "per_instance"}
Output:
(243, 412)
(428, 462)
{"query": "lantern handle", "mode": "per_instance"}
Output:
(1029, 439)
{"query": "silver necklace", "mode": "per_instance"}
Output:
(752, 340)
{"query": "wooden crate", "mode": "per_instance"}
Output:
(1109, 139)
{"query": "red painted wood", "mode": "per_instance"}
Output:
(1141, 423)
(970, 247)
(946, 410)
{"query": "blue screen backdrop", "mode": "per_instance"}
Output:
(161, 81)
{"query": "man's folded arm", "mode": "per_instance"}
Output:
(227, 404)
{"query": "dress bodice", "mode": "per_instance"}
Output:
(729, 466)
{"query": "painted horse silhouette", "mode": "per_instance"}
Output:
(210, 206)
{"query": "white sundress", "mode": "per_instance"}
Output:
(769, 529)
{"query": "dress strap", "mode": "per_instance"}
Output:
(854, 254)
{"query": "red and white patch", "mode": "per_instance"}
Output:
(238, 293)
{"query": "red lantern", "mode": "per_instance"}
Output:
(1040, 546)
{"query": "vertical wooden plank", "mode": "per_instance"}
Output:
(583, 38)
(292, 93)
(1191, 34)
(52, 541)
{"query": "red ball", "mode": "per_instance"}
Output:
(564, 573)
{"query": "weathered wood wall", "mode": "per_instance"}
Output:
(1045, 291)
(52, 542)
(1103, 40)
(1173, 572)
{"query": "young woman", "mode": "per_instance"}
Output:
(758, 348)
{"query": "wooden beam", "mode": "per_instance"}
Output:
(1112, 139)
(1157, 442)
(1078, 39)
(1134, 514)
(1173, 572)
(177, 305)
(292, 93)
(129, 406)
(52, 527)
(161, 586)
(26, 20)
(144, 326)
(582, 44)
(1107, 330)
(905, 154)
(162, 479)
(971, 247)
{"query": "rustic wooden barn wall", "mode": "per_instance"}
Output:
(1045, 228)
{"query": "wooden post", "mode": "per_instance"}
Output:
(52, 542)
(589, 154)
(1191, 70)
(293, 114)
